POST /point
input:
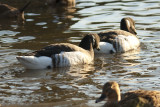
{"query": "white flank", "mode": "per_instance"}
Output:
(123, 44)
(105, 47)
(71, 58)
(32, 62)
(126, 43)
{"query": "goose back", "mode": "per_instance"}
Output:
(56, 49)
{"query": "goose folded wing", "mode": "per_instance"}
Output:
(54, 49)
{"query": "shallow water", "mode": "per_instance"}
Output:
(77, 85)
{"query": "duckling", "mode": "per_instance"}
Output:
(10, 12)
(137, 98)
(119, 40)
(62, 54)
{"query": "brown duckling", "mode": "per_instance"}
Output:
(9, 12)
(137, 98)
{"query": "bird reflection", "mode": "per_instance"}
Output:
(80, 71)
(61, 7)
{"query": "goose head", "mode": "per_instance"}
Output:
(89, 40)
(128, 25)
(110, 91)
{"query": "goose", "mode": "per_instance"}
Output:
(137, 98)
(9, 12)
(62, 54)
(120, 41)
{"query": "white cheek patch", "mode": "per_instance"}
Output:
(128, 23)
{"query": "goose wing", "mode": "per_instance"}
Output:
(55, 49)
(109, 36)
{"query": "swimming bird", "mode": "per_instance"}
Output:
(62, 54)
(9, 12)
(137, 98)
(121, 41)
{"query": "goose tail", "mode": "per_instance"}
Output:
(32, 62)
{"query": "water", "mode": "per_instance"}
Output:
(77, 85)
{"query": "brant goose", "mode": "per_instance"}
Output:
(137, 98)
(119, 40)
(62, 54)
(10, 12)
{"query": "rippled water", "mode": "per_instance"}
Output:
(78, 85)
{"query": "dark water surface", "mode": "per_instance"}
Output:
(77, 85)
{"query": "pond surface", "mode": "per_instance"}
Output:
(78, 85)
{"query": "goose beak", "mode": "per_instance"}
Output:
(135, 33)
(98, 48)
(101, 98)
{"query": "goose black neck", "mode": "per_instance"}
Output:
(87, 42)
(123, 25)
